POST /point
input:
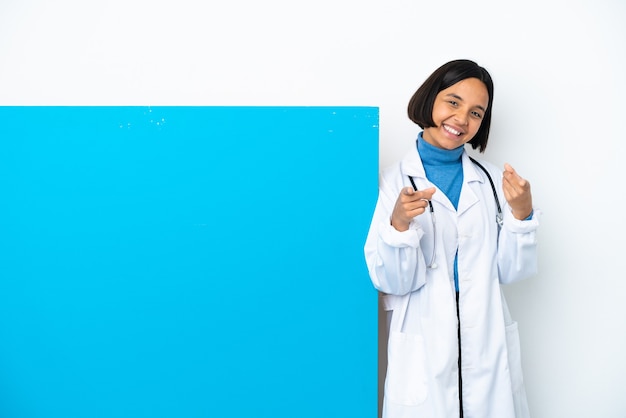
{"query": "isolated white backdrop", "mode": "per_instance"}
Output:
(560, 106)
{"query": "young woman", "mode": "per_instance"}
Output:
(447, 231)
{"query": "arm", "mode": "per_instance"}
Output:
(394, 259)
(517, 247)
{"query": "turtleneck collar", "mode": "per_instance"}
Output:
(431, 155)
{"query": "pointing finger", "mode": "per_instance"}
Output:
(428, 193)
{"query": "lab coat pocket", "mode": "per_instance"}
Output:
(514, 356)
(406, 372)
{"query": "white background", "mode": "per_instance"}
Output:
(559, 113)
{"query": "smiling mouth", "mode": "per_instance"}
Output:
(452, 130)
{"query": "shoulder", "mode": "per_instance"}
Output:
(410, 164)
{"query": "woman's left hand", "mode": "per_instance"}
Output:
(517, 193)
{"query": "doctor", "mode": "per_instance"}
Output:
(446, 232)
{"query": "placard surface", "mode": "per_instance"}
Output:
(187, 262)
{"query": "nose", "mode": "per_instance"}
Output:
(461, 117)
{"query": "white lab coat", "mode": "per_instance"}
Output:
(423, 346)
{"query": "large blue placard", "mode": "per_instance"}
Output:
(187, 262)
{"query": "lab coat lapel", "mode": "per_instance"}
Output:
(470, 174)
(412, 166)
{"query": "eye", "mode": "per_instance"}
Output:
(477, 115)
(453, 103)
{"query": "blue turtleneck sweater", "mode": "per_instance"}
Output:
(444, 169)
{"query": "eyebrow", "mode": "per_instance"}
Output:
(461, 99)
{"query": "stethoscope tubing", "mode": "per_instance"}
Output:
(499, 219)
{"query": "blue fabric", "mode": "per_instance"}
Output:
(444, 169)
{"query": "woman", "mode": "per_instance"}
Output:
(439, 246)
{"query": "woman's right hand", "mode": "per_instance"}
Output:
(410, 203)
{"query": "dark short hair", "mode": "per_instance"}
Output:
(421, 104)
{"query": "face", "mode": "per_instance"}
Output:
(457, 112)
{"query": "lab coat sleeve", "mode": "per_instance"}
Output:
(394, 259)
(517, 247)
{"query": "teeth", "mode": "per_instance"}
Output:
(452, 131)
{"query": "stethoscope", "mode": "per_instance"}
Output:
(432, 264)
